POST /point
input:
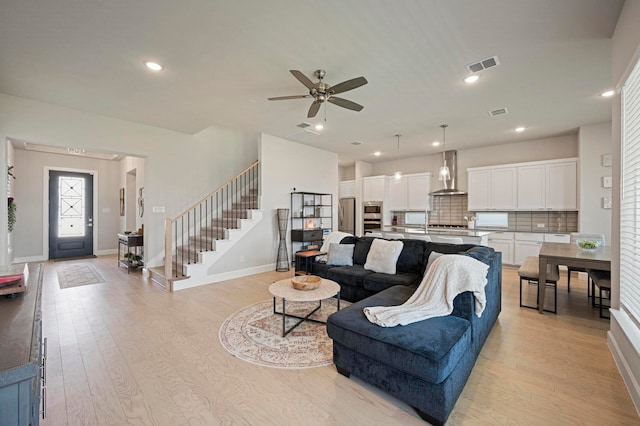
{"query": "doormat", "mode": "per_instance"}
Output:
(62, 259)
(254, 334)
(78, 274)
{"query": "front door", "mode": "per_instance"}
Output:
(70, 214)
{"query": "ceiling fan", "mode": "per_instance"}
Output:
(321, 92)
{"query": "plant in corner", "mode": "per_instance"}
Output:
(11, 213)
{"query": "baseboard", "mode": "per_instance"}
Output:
(27, 259)
(212, 279)
(106, 252)
(624, 353)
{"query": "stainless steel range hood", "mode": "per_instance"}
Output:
(449, 186)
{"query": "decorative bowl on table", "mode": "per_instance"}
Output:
(306, 282)
(588, 245)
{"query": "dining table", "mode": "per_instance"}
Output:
(569, 254)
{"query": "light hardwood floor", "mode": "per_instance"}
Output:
(125, 352)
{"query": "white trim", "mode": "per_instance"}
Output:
(623, 327)
(27, 259)
(211, 279)
(106, 252)
(45, 205)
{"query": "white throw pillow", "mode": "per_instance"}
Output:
(383, 255)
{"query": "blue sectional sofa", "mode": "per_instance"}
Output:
(425, 364)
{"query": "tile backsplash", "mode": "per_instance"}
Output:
(451, 210)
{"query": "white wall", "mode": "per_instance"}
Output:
(624, 336)
(593, 142)
(179, 170)
(31, 230)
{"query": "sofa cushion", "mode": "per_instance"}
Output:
(412, 259)
(383, 256)
(377, 282)
(360, 251)
(428, 349)
(320, 269)
(340, 254)
(348, 275)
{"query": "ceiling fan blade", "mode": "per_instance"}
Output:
(315, 107)
(345, 103)
(282, 98)
(302, 79)
(349, 85)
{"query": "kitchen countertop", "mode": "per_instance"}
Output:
(436, 231)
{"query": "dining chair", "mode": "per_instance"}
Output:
(419, 237)
(602, 280)
(573, 238)
(373, 234)
(529, 271)
(449, 240)
(392, 236)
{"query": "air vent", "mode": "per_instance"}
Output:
(497, 112)
(303, 125)
(483, 64)
(356, 143)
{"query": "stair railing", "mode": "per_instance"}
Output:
(195, 229)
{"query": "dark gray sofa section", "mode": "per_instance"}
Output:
(425, 364)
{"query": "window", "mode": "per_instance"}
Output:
(630, 198)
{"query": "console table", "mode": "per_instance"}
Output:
(133, 243)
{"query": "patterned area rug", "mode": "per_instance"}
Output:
(254, 334)
(78, 274)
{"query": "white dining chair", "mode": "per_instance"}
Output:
(419, 237)
(373, 234)
(449, 240)
(392, 236)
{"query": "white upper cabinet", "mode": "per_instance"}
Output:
(411, 192)
(562, 186)
(492, 189)
(418, 188)
(398, 194)
(479, 190)
(540, 185)
(374, 188)
(548, 186)
(347, 188)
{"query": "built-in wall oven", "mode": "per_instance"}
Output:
(371, 215)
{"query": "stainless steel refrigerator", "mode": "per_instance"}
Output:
(347, 215)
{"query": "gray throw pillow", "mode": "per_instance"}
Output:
(340, 254)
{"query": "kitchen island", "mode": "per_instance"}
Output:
(469, 236)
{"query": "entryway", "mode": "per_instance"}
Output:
(70, 214)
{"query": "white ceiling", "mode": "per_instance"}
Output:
(223, 59)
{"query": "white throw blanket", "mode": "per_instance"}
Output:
(447, 277)
(332, 237)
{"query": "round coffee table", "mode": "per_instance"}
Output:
(284, 290)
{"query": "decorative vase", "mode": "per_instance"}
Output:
(282, 264)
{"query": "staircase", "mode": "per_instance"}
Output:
(199, 237)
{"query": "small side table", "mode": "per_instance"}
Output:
(304, 259)
(129, 241)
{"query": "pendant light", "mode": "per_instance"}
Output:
(444, 174)
(398, 175)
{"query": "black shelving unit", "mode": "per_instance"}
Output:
(311, 219)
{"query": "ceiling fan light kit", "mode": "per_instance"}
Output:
(321, 92)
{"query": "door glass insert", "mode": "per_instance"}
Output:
(71, 210)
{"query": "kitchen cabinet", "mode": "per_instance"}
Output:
(526, 244)
(418, 188)
(374, 188)
(348, 189)
(548, 186)
(504, 243)
(492, 189)
(410, 192)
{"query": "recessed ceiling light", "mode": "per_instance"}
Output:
(319, 126)
(377, 153)
(472, 78)
(519, 129)
(608, 93)
(435, 143)
(153, 66)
